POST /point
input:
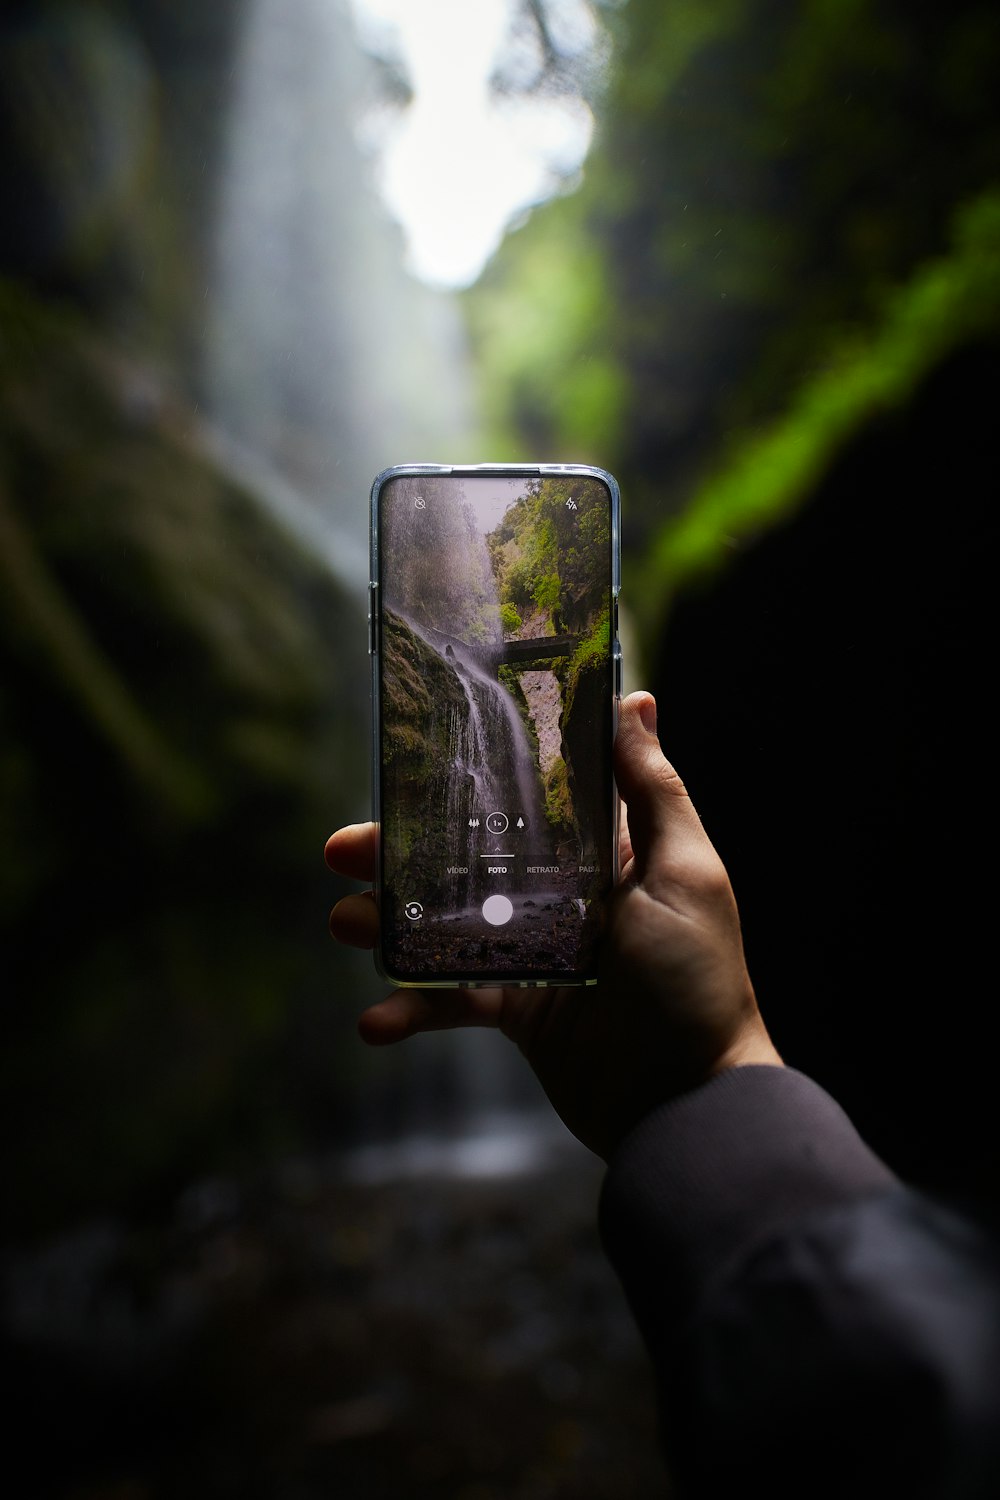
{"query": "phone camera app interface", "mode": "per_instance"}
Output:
(496, 721)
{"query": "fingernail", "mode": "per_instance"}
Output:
(647, 713)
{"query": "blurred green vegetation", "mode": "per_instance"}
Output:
(182, 682)
(179, 731)
(952, 300)
(782, 267)
(112, 115)
(787, 219)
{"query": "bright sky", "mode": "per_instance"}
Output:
(457, 166)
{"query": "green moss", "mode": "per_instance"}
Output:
(183, 718)
(946, 303)
(510, 620)
(594, 646)
(558, 798)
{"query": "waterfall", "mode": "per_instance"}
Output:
(324, 362)
(502, 742)
(493, 766)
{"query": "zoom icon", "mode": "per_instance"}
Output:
(413, 910)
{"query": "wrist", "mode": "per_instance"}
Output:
(752, 1048)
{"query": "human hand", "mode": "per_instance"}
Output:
(673, 1005)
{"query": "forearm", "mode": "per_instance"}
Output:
(707, 1176)
(813, 1324)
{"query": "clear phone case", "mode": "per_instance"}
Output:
(496, 679)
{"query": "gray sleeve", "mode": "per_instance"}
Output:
(816, 1327)
(702, 1179)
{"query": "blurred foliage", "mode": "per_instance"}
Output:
(178, 733)
(952, 300)
(783, 263)
(181, 682)
(110, 125)
(554, 49)
(742, 269)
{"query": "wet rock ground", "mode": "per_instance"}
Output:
(310, 1334)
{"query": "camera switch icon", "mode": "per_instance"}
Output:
(413, 910)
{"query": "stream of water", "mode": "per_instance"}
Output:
(494, 765)
(325, 362)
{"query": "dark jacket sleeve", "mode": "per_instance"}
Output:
(816, 1328)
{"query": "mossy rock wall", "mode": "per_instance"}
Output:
(183, 713)
(423, 698)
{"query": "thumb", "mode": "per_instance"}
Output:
(663, 826)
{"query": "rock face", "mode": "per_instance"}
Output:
(829, 711)
(183, 721)
(588, 702)
(544, 701)
(423, 701)
(111, 119)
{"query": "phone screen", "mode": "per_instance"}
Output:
(495, 649)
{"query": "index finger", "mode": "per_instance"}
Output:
(353, 851)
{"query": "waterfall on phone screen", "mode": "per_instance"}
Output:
(492, 763)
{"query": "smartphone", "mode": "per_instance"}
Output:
(496, 678)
